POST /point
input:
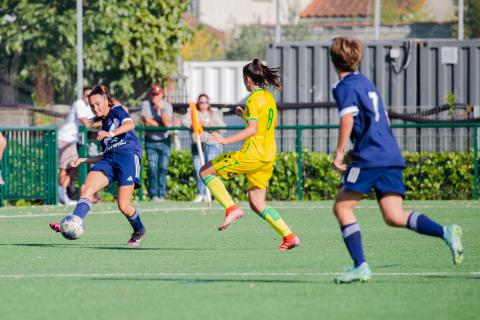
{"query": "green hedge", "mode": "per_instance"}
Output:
(428, 176)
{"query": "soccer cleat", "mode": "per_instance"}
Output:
(362, 273)
(453, 239)
(55, 227)
(198, 198)
(232, 214)
(136, 238)
(289, 242)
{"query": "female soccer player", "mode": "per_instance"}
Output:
(376, 162)
(256, 157)
(120, 161)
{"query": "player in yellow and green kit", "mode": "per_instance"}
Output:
(257, 156)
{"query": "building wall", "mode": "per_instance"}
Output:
(226, 14)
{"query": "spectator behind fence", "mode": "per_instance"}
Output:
(80, 114)
(209, 117)
(157, 112)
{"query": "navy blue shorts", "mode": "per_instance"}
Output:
(124, 168)
(382, 180)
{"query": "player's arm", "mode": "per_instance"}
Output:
(150, 122)
(249, 131)
(344, 131)
(85, 121)
(127, 125)
(76, 163)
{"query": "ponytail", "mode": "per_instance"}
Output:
(263, 75)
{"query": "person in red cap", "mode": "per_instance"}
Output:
(157, 112)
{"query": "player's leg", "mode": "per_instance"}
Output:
(394, 215)
(345, 203)
(210, 173)
(256, 197)
(124, 197)
(96, 180)
(390, 189)
(126, 168)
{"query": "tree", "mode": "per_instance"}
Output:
(35, 38)
(128, 44)
(203, 45)
(403, 10)
(472, 18)
(248, 43)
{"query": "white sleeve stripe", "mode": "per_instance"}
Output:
(348, 110)
(127, 119)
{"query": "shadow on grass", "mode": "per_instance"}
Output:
(102, 247)
(203, 281)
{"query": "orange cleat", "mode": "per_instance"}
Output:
(233, 213)
(289, 242)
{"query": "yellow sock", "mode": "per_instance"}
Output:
(273, 218)
(218, 190)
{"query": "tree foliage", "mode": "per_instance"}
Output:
(403, 10)
(472, 18)
(203, 45)
(128, 44)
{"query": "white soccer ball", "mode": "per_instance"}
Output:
(72, 227)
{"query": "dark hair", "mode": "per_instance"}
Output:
(346, 53)
(103, 91)
(206, 96)
(86, 89)
(262, 75)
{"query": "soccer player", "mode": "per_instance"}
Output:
(120, 161)
(256, 157)
(376, 162)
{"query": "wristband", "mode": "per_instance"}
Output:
(111, 134)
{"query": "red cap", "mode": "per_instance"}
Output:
(156, 90)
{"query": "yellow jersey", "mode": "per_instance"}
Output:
(261, 106)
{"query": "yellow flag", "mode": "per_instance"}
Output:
(196, 125)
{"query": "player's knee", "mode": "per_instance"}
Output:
(204, 172)
(393, 220)
(86, 191)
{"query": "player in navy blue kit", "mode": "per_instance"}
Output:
(119, 162)
(376, 162)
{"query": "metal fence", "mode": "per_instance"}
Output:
(30, 164)
(301, 143)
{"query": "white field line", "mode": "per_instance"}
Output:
(217, 208)
(232, 274)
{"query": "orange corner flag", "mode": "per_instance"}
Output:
(196, 125)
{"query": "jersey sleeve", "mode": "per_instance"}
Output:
(346, 100)
(120, 114)
(251, 110)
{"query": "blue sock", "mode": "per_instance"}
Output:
(423, 225)
(136, 222)
(83, 207)
(353, 241)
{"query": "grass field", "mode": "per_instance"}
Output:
(185, 269)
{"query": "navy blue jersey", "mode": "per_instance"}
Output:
(374, 143)
(123, 143)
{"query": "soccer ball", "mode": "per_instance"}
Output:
(72, 227)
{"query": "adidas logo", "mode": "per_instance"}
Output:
(130, 178)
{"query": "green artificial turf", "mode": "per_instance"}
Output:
(185, 269)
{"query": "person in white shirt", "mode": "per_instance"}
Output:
(80, 114)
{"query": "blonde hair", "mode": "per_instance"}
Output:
(346, 53)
